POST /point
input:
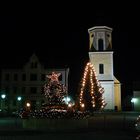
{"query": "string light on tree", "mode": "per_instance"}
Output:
(95, 90)
(54, 90)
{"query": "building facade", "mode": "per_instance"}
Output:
(26, 85)
(101, 56)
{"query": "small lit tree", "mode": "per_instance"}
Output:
(55, 91)
(91, 92)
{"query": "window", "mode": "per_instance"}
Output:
(14, 90)
(33, 90)
(100, 45)
(23, 90)
(7, 89)
(33, 77)
(15, 77)
(43, 77)
(34, 65)
(101, 68)
(7, 76)
(23, 77)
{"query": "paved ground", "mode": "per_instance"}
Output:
(39, 135)
(113, 129)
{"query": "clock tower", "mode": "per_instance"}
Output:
(101, 56)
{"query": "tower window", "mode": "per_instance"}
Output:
(100, 45)
(101, 68)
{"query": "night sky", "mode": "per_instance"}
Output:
(60, 39)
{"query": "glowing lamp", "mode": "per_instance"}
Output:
(67, 99)
(134, 100)
(82, 105)
(19, 98)
(3, 96)
(28, 104)
(69, 105)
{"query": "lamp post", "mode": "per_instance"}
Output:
(19, 99)
(28, 106)
(3, 96)
(134, 101)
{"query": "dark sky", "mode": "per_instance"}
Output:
(60, 38)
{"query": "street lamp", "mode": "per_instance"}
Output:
(19, 98)
(3, 96)
(134, 101)
(67, 99)
(28, 106)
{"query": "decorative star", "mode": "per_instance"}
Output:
(54, 76)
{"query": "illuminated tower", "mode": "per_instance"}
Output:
(101, 56)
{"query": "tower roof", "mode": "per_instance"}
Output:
(100, 28)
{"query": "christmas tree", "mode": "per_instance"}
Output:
(54, 91)
(56, 107)
(91, 92)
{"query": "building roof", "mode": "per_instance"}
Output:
(116, 81)
(99, 28)
(27, 59)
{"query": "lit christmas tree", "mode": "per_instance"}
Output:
(55, 91)
(56, 106)
(91, 93)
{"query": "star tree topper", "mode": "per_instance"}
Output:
(54, 76)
